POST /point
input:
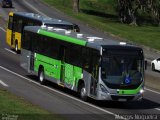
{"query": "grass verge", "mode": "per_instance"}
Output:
(12, 107)
(142, 35)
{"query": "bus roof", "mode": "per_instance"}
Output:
(78, 38)
(43, 19)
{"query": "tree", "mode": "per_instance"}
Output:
(128, 10)
(76, 6)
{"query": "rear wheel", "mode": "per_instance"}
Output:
(153, 67)
(83, 92)
(16, 47)
(41, 76)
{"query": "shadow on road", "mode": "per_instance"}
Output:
(144, 104)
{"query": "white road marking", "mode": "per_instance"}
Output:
(9, 50)
(152, 91)
(3, 29)
(4, 84)
(35, 8)
(157, 109)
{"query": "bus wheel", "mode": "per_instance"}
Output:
(41, 76)
(16, 47)
(83, 92)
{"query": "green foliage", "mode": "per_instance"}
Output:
(14, 107)
(105, 6)
(108, 22)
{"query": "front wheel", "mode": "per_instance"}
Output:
(16, 48)
(83, 92)
(41, 76)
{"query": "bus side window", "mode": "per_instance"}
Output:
(95, 63)
(86, 59)
(75, 56)
(18, 25)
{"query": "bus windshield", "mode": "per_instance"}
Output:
(122, 68)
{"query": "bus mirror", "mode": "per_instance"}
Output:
(145, 62)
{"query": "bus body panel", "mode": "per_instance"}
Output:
(52, 69)
(51, 66)
(25, 60)
(8, 36)
(68, 75)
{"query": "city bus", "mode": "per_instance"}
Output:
(91, 66)
(17, 21)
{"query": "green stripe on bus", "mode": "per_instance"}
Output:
(62, 37)
(130, 92)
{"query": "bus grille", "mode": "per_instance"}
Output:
(116, 98)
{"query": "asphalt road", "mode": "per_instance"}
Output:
(54, 98)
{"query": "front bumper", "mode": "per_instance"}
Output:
(116, 97)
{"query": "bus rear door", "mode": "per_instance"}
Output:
(66, 69)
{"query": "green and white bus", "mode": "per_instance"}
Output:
(92, 66)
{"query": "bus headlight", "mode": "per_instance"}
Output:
(103, 88)
(141, 91)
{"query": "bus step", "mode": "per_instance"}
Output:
(61, 84)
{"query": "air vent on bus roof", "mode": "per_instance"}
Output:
(59, 29)
(122, 43)
(43, 26)
(79, 35)
(50, 28)
(92, 39)
(67, 32)
(59, 20)
(29, 14)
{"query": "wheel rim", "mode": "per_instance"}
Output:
(41, 77)
(16, 47)
(83, 92)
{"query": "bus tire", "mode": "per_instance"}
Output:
(16, 47)
(83, 92)
(41, 77)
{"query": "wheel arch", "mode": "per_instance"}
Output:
(80, 82)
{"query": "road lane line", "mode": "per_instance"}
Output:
(157, 109)
(4, 84)
(10, 50)
(3, 29)
(89, 104)
(152, 91)
(35, 8)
